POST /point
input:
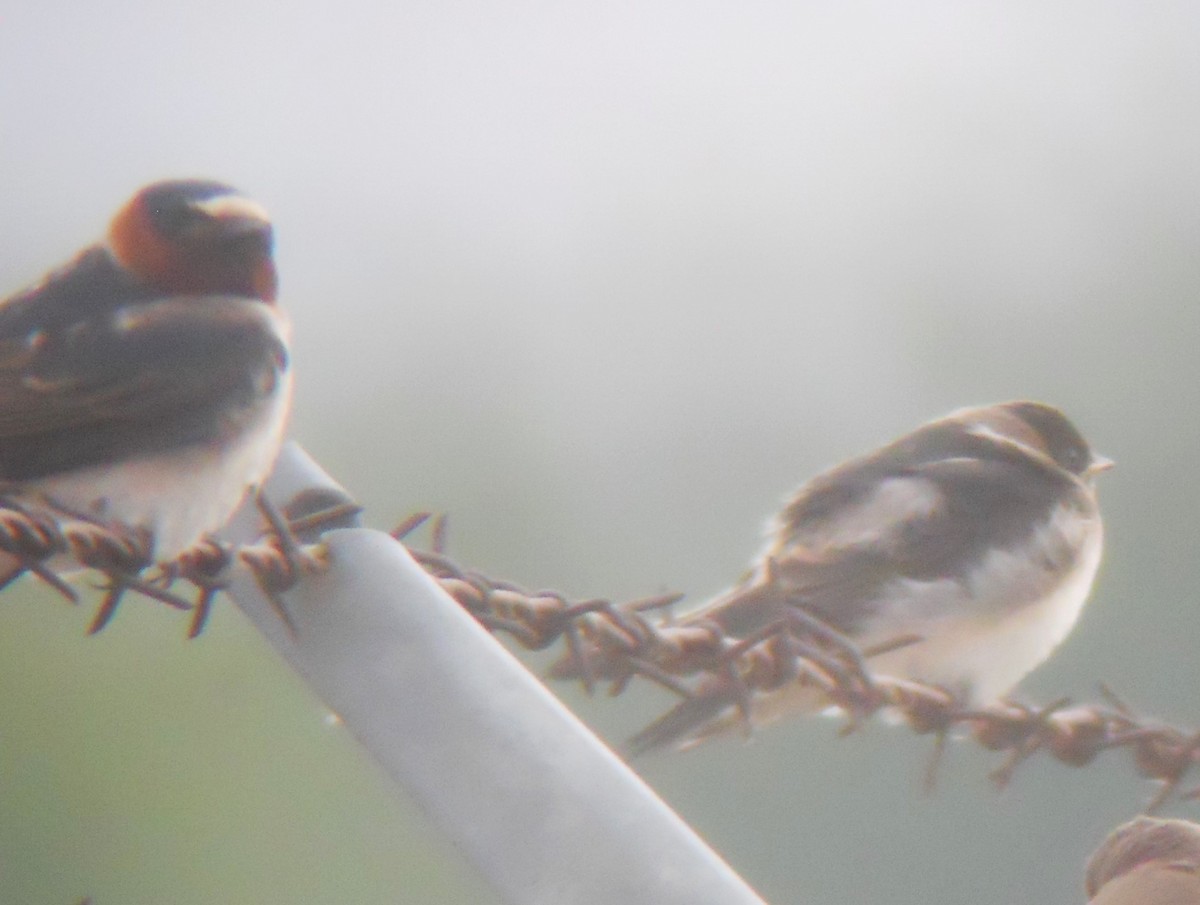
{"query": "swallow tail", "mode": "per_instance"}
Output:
(686, 724)
(717, 709)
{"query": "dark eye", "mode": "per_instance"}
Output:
(177, 219)
(1075, 458)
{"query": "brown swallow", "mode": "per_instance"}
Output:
(978, 534)
(149, 380)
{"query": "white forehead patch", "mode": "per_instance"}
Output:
(233, 206)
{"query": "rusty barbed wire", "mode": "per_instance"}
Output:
(616, 643)
(613, 642)
(44, 540)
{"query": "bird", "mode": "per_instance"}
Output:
(148, 381)
(978, 536)
(1147, 861)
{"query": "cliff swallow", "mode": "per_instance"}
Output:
(978, 534)
(148, 381)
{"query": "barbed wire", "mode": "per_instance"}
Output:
(610, 642)
(45, 540)
(699, 661)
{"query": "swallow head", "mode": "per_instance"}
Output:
(192, 236)
(1042, 429)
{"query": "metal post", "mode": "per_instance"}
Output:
(546, 812)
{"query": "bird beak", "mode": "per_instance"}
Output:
(1098, 464)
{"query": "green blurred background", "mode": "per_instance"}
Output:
(604, 282)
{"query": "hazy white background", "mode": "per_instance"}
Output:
(604, 282)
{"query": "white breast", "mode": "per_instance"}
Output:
(182, 495)
(983, 645)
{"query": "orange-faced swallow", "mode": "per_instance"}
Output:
(148, 381)
(978, 535)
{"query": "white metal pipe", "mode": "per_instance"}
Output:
(546, 812)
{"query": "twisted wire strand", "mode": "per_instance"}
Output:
(615, 643)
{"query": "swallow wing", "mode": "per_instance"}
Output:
(845, 537)
(839, 544)
(88, 380)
